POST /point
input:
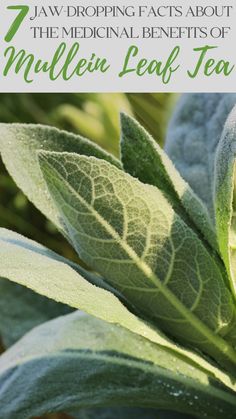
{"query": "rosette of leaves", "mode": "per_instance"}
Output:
(150, 325)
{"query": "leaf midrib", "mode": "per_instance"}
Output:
(217, 341)
(141, 364)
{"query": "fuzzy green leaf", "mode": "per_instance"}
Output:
(225, 202)
(192, 138)
(128, 232)
(19, 144)
(143, 158)
(86, 362)
(32, 265)
(49, 275)
(21, 310)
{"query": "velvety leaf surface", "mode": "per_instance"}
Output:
(86, 362)
(128, 232)
(19, 144)
(21, 309)
(192, 138)
(143, 158)
(30, 264)
(38, 268)
(225, 204)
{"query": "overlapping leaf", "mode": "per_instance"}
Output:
(32, 265)
(85, 362)
(192, 138)
(143, 158)
(128, 232)
(225, 203)
(49, 275)
(19, 144)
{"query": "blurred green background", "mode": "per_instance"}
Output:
(95, 116)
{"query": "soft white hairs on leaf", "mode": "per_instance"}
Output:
(193, 135)
(225, 203)
(86, 362)
(31, 265)
(143, 158)
(19, 144)
(128, 232)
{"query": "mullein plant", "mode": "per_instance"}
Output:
(148, 323)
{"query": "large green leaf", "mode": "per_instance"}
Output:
(11, 238)
(129, 233)
(19, 144)
(143, 158)
(27, 263)
(225, 203)
(192, 138)
(86, 362)
(21, 309)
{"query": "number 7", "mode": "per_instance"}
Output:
(17, 22)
